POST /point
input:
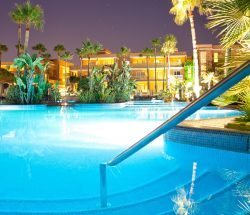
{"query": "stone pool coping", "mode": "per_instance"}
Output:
(217, 124)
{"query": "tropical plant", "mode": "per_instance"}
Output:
(18, 18)
(123, 53)
(55, 93)
(80, 53)
(13, 95)
(59, 49)
(20, 49)
(114, 85)
(239, 94)
(30, 78)
(166, 96)
(87, 97)
(120, 83)
(232, 19)
(90, 48)
(168, 47)
(147, 52)
(67, 56)
(210, 79)
(156, 43)
(40, 48)
(46, 56)
(83, 84)
(3, 48)
(183, 10)
(32, 17)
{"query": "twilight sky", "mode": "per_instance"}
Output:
(114, 23)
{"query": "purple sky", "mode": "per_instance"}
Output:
(114, 23)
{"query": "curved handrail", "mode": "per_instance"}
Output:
(232, 79)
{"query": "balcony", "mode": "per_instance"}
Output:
(152, 65)
(180, 77)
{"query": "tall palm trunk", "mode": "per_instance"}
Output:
(58, 66)
(155, 73)
(169, 68)
(148, 74)
(88, 64)
(195, 55)
(164, 73)
(81, 72)
(27, 36)
(19, 33)
(0, 60)
(65, 76)
(226, 61)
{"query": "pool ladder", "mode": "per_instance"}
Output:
(229, 81)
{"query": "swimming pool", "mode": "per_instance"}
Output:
(49, 161)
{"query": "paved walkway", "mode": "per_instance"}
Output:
(213, 124)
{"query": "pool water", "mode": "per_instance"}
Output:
(49, 159)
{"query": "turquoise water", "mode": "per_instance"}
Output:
(49, 159)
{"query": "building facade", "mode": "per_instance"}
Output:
(58, 71)
(148, 79)
(143, 70)
(212, 57)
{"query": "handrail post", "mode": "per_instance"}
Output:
(103, 185)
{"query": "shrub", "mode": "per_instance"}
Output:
(13, 95)
(55, 93)
(114, 85)
(87, 97)
(83, 84)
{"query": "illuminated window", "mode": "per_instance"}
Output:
(177, 73)
(203, 57)
(216, 57)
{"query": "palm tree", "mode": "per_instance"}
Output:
(59, 49)
(147, 52)
(183, 10)
(168, 47)
(89, 48)
(209, 78)
(124, 53)
(80, 54)
(32, 17)
(67, 56)
(46, 57)
(156, 43)
(232, 19)
(3, 48)
(40, 48)
(20, 49)
(17, 17)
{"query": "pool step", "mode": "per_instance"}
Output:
(157, 204)
(216, 198)
(236, 191)
(122, 209)
(79, 204)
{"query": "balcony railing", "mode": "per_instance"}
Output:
(152, 65)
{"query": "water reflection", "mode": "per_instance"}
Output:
(183, 202)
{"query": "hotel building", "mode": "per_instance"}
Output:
(212, 57)
(141, 68)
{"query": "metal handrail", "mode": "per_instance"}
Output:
(232, 79)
